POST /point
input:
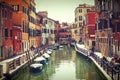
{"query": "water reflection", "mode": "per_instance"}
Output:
(64, 64)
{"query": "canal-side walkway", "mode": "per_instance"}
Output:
(11, 65)
(110, 72)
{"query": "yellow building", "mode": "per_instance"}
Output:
(25, 41)
(32, 18)
(80, 13)
(75, 32)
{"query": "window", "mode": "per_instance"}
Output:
(10, 33)
(93, 43)
(31, 19)
(4, 13)
(45, 21)
(118, 27)
(88, 10)
(44, 31)
(80, 24)
(103, 5)
(80, 10)
(80, 17)
(34, 33)
(75, 19)
(105, 23)
(32, 8)
(15, 7)
(76, 32)
(26, 27)
(99, 25)
(51, 31)
(24, 10)
(6, 33)
(48, 30)
(10, 15)
(38, 32)
(30, 32)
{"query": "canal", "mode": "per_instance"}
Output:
(64, 64)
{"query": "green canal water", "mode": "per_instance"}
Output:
(64, 64)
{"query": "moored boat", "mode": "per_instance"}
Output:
(48, 52)
(46, 56)
(61, 47)
(40, 59)
(36, 67)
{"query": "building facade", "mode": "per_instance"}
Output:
(20, 21)
(80, 12)
(89, 27)
(38, 30)
(6, 28)
(32, 24)
(48, 31)
(57, 26)
(64, 34)
(107, 30)
(75, 32)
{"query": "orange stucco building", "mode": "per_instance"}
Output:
(20, 20)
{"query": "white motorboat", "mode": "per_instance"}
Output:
(36, 67)
(40, 59)
(61, 47)
(49, 52)
(46, 56)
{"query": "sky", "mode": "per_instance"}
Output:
(61, 10)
